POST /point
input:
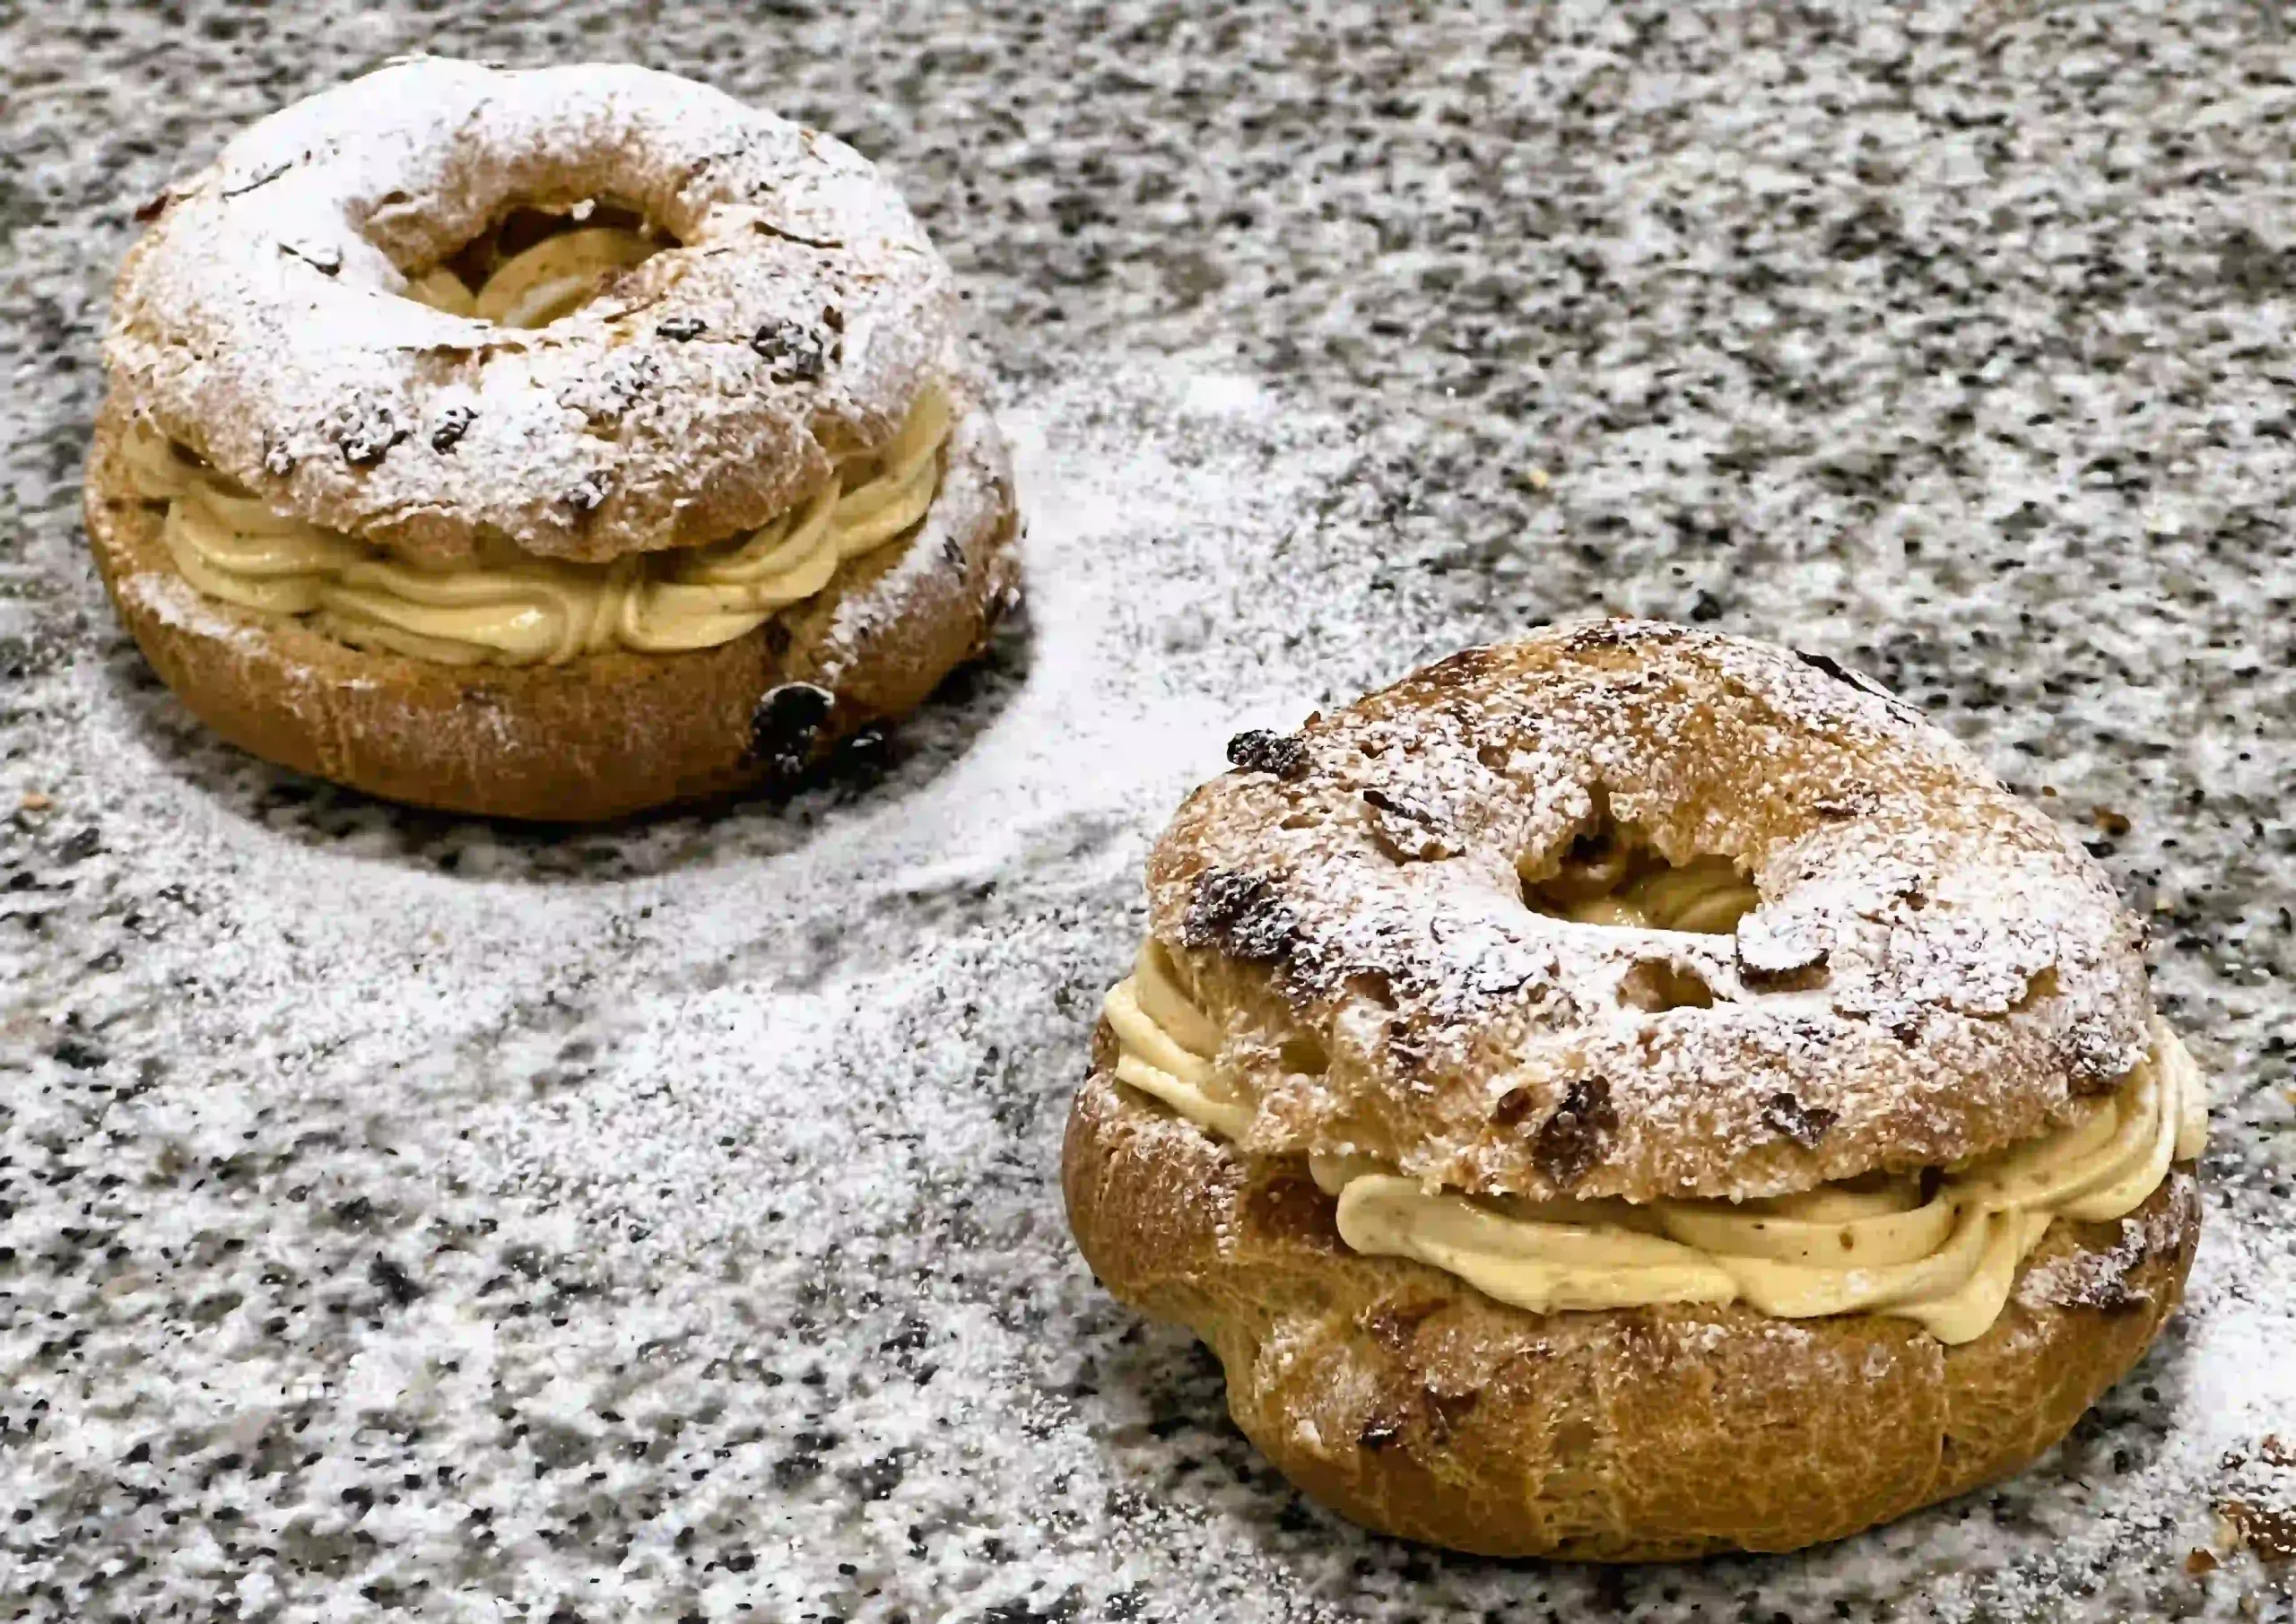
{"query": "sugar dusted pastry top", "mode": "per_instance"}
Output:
(262, 322)
(1933, 970)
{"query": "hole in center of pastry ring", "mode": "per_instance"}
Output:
(535, 267)
(1607, 875)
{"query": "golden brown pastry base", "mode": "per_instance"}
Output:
(1406, 1401)
(596, 738)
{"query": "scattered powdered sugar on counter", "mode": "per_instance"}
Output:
(443, 1180)
(407, 1218)
(645, 1222)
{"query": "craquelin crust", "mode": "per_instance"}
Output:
(1935, 969)
(262, 321)
(1404, 1399)
(601, 736)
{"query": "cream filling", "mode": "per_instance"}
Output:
(229, 545)
(1624, 887)
(1871, 1245)
(532, 289)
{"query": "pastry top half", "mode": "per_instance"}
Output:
(773, 310)
(1636, 911)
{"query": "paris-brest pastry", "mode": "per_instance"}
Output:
(551, 444)
(1632, 1093)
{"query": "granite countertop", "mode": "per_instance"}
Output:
(401, 1215)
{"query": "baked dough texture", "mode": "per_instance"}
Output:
(1408, 1402)
(1365, 914)
(272, 325)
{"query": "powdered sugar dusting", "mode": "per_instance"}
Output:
(772, 1244)
(1941, 341)
(1967, 973)
(263, 321)
(717, 1184)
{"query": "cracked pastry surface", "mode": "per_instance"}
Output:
(1934, 971)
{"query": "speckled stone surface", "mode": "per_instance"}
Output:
(405, 1217)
